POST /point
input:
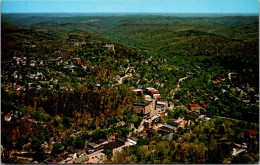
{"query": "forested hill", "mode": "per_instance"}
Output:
(228, 41)
(115, 20)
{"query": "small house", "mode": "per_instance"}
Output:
(132, 141)
(109, 47)
(8, 117)
(193, 116)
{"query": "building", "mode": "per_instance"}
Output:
(8, 117)
(117, 145)
(166, 129)
(111, 138)
(138, 92)
(132, 141)
(96, 146)
(170, 105)
(109, 46)
(143, 108)
(195, 107)
(145, 134)
(147, 97)
(193, 116)
(132, 126)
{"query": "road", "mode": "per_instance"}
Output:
(178, 85)
(122, 78)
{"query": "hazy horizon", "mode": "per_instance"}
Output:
(71, 14)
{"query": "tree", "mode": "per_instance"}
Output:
(67, 122)
(79, 143)
(37, 149)
(57, 149)
(69, 142)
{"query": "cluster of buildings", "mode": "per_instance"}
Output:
(154, 106)
(94, 152)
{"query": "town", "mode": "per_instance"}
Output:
(77, 97)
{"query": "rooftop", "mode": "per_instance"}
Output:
(115, 144)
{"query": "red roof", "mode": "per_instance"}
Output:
(204, 105)
(161, 113)
(145, 134)
(137, 81)
(112, 137)
(192, 108)
(250, 132)
(154, 92)
(17, 86)
(8, 116)
(132, 123)
(194, 105)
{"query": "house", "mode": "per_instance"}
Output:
(17, 87)
(117, 145)
(250, 133)
(145, 134)
(109, 46)
(132, 141)
(154, 91)
(195, 107)
(8, 117)
(147, 97)
(180, 122)
(32, 45)
(44, 145)
(170, 105)
(193, 116)
(157, 96)
(137, 81)
(206, 119)
(15, 75)
(132, 126)
(32, 64)
(138, 92)
(111, 138)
